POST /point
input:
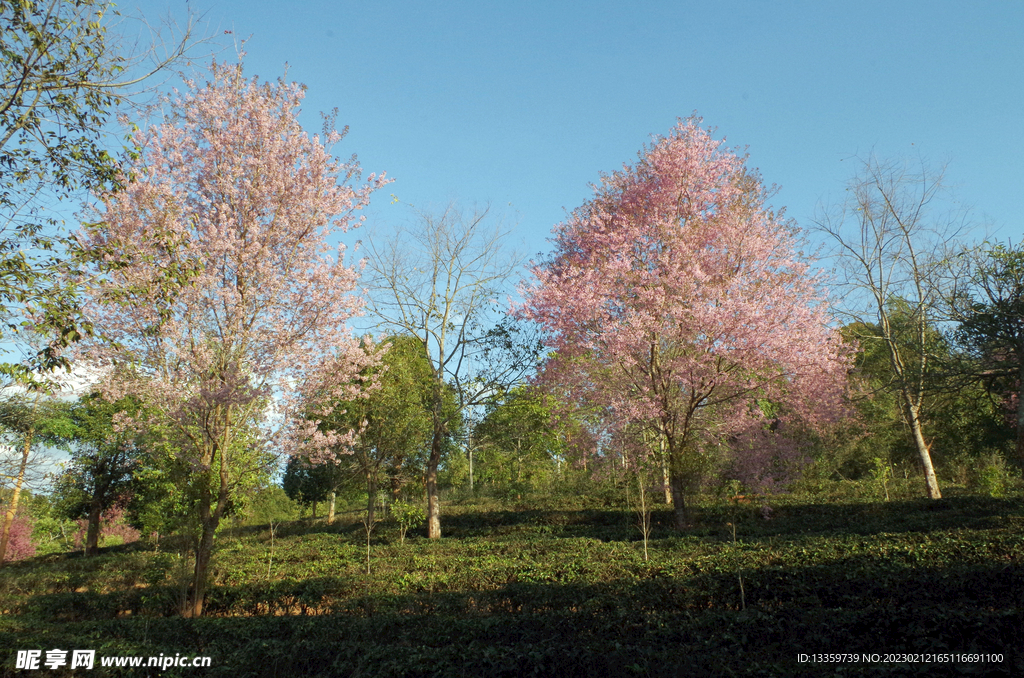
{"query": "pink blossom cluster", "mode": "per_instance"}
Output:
(678, 298)
(217, 288)
(20, 545)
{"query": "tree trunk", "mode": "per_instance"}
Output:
(204, 552)
(677, 482)
(210, 513)
(92, 537)
(371, 500)
(13, 508)
(930, 481)
(330, 509)
(433, 502)
(678, 503)
(665, 483)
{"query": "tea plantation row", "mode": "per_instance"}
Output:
(558, 593)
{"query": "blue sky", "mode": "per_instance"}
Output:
(524, 104)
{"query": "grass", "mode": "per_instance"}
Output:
(545, 592)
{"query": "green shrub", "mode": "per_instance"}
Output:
(566, 592)
(407, 516)
(270, 504)
(990, 475)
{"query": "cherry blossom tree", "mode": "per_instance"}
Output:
(677, 298)
(219, 293)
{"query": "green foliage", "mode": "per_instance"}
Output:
(53, 532)
(516, 445)
(963, 422)
(56, 64)
(32, 416)
(306, 483)
(992, 476)
(161, 503)
(101, 471)
(57, 70)
(991, 309)
(168, 486)
(407, 516)
(881, 474)
(62, 78)
(562, 592)
(270, 504)
(393, 421)
(395, 418)
(27, 421)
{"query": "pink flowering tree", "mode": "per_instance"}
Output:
(20, 545)
(219, 294)
(677, 299)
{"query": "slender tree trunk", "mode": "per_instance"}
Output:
(433, 502)
(210, 513)
(330, 509)
(13, 508)
(204, 552)
(643, 510)
(930, 481)
(665, 483)
(92, 537)
(677, 482)
(371, 500)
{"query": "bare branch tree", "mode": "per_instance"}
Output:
(440, 283)
(889, 246)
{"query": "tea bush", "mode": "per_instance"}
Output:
(561, 592)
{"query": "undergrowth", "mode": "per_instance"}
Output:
(519, 591)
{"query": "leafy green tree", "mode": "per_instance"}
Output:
(104, 461)
(309, 484)
(407, 516)
(517, 444)
(52, 531)
(393, 420)
(27, 421)
(990, 311)
(63, 76)
(270, 505)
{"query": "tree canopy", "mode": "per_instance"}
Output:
(215, 283)
(677, 296)
(63, 76)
